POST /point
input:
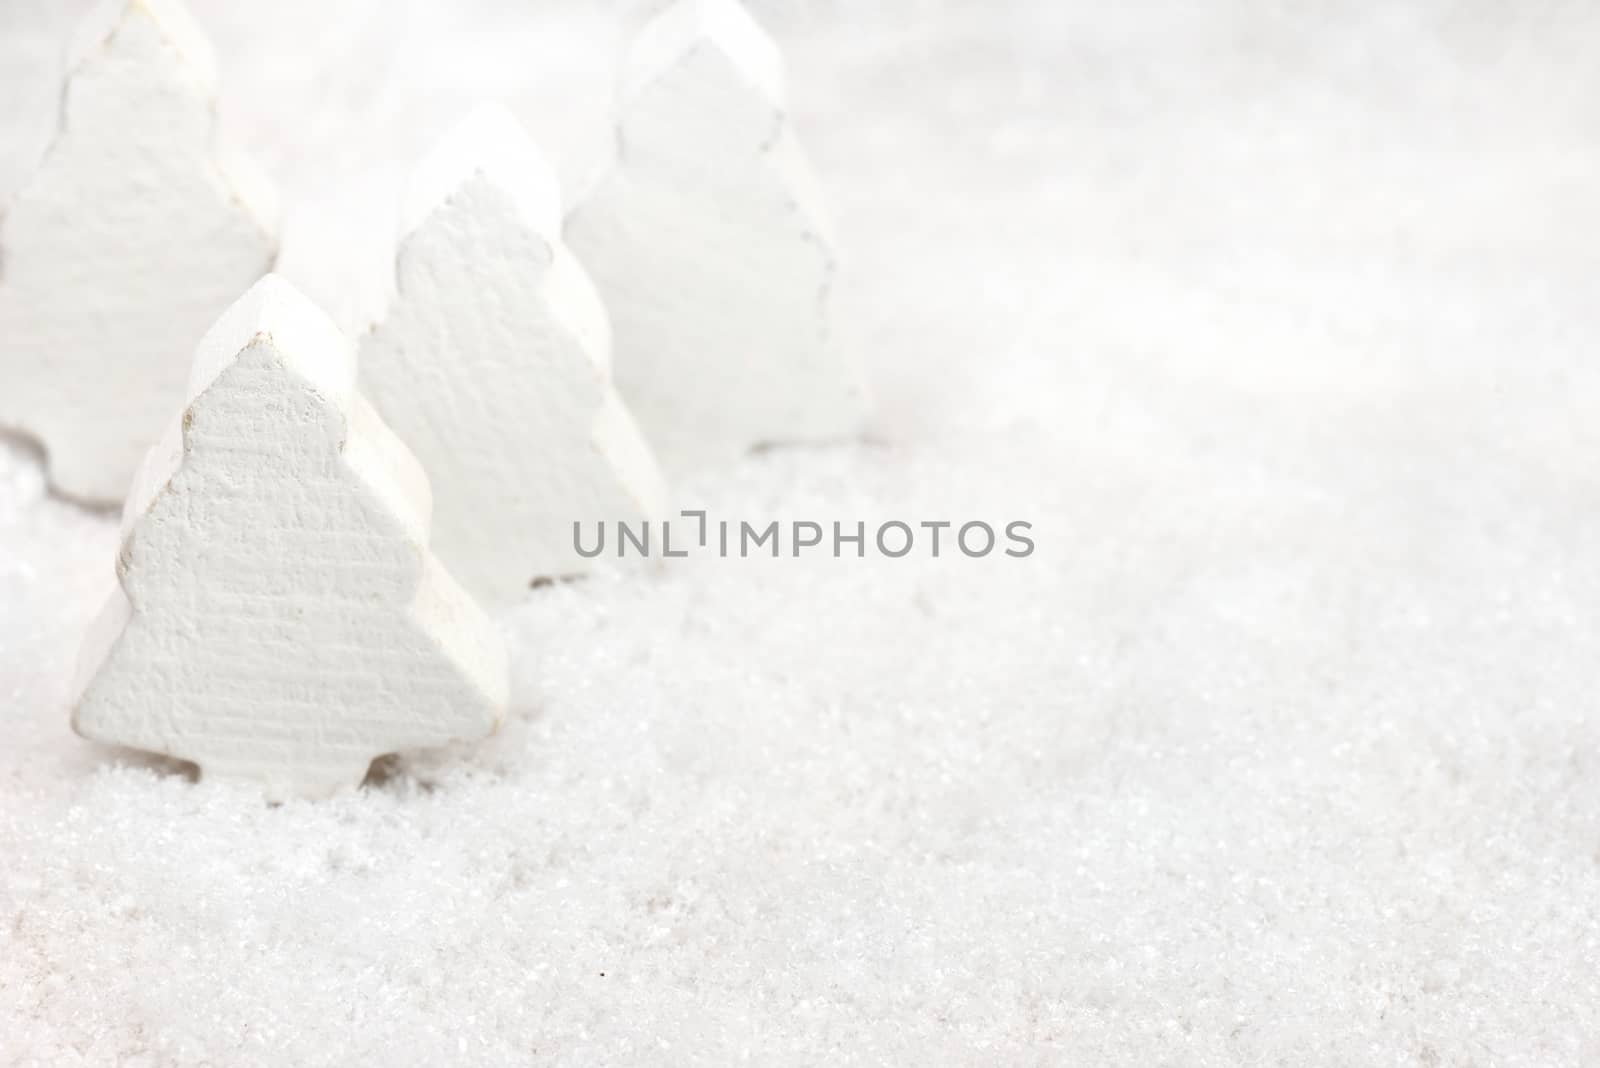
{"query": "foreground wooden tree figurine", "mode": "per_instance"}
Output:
(125, 245)
(280, 618)
(493, 364)
(711, 249)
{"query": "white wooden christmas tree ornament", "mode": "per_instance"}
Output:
(119, 251)
(493, 363)
(711, 249)
(280, 618)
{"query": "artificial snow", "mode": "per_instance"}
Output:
(1279, 325)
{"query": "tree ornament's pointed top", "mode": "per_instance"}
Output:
(686, 28)
(307, 341)
(128, 22)
(489, 144)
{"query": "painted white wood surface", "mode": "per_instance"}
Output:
(126, 243)
(280, 618)
(494, 364)
(709, 243)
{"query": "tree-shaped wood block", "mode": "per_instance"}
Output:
(119, 252)
(710, 247)
(280, 617)
(493, 364)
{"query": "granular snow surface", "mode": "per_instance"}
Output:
(1280, 325)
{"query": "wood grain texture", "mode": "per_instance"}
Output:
(494, 364)
(280, 618)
